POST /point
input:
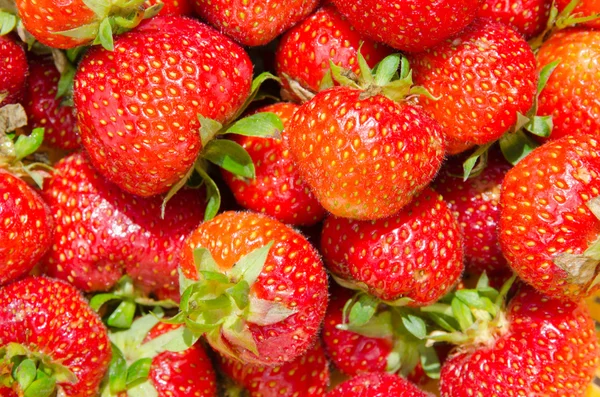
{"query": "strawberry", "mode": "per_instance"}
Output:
(103, 232)
(569, 94)
(364, 151)
(173, 7)
(255, 287)
(50, 340)
(134, 132)
(377, 384)
(45, 110)
(527, 17)
(307, 376)
(254, 23)
(586, 10)
(475, 204)
(304, 52)
(415, 256)
(549, 217)
(277, 190)
(13, 70)
(409, 25)
(482, 78)
(25, 227)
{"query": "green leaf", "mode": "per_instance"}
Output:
(430, 362)
(404, 68)
(237, 332)
(479, 155)
(387, 68)
(43, 387)
(208, 129)
(117, 371)
(123, 315)
(230, 156)
(343, 77)
(362, 310)
(214, 276)
(540, 126)
(500, 300)
(99, 300)
(263, 312)
(516, 146)
(174, 190)
(28, 144)
(213, 196)
(181, 340)
(415, 325)
(99, 7)
(144, 389)
(462, 313)
(365, 71)
(250, 266)
(471, 298)
(8, 22)
(326, 81)
(204, 261)
(240, 294)
(444, 322)
(138, 371)
(25, 373)
(262, 124)
(105, 35)
(142, 326)
(545, 74)
(254, 89)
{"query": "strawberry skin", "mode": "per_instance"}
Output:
(277, 190)
(305, 51)
(13, 70)
(25, 227)
(569, 96)
(549, 349)
(256, 22)
(482, 78)
(103, 232)
(306, 376)
(45, 110)
(137, 107)
(409, 25)
(417, 253)
(364, 158)
(51, 317)
(293, 275)
(527, 17)
(377, 384)
(173, 7)
(544, 213)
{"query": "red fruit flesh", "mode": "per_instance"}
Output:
(13, 70)
(51, 317)
(377, 384)
(103, 232)
(528, 17)
(25, 227)
(277, 190)
(364, 158)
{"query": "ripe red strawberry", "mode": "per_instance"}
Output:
(539, 347)
(254, 23)
(415, 254)
(483, 78)
(137, 107)
(475, 204)
(527, 17)
(549, 225)
(304, 52)
(45, 110)
(173, 7)
(364, 157)
(47, 324)
(277, 190)
(25, 227)
(569, 94)
(306, 376)
(13, 70)
(103, 232)
(377, 384)
(409, 25)
(271, 288)
(584, 8)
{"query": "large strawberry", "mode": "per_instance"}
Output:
(277, 190)
(482, 79)
(138, 106)
(527, 17)
(377, 384)
(549, 219)
(361, 148)
(13, 70)
(103, 232)
(306, 376)
(304, 52)
(255, 287)
(569, 95)
(256, 22)
(50, 341)
(409, 25)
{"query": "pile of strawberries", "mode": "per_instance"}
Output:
(294, 198)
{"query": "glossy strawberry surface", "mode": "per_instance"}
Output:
(13, 70)
(377, 384)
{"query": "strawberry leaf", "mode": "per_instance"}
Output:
(28, 144)
(181, 339)
(230, 156)
(430, 361)
(362, 310)
(264, 312)
(326, 81)
(250, 266)
(204, 261)
(343, 77)
(254, 89)
(117, 371)
(262, 124)
(415, 325)
(99, 7)
(462, 313)
(213, 196)
(380, 326)
(516, 146)
(138, 371)
(25, 373)
(123, 315)
(239, 293)
(365, 71)
(479, 157)
(42, 387)
(387, 69)
(144, 389)
(208, 129)
(236, 330)
(105, 35)
(8, 22)
(99, 300)
(545, 74)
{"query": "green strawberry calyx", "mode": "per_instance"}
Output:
(30, 373)
(220, 304)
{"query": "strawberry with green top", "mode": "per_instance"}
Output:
(377, 384)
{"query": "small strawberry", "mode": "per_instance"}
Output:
(377, 384)
(103, 232)
(409, 25)
(569, 96)
(415, 256)
(361, 148)
(306, 376)
(51, 342)
(255, 287)
(45, 110)
(483, 78)
(277, 190)
(304, 52)
(137, 107)
(527, 17)
(13, 70)
(550, 217)
(254, 23)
